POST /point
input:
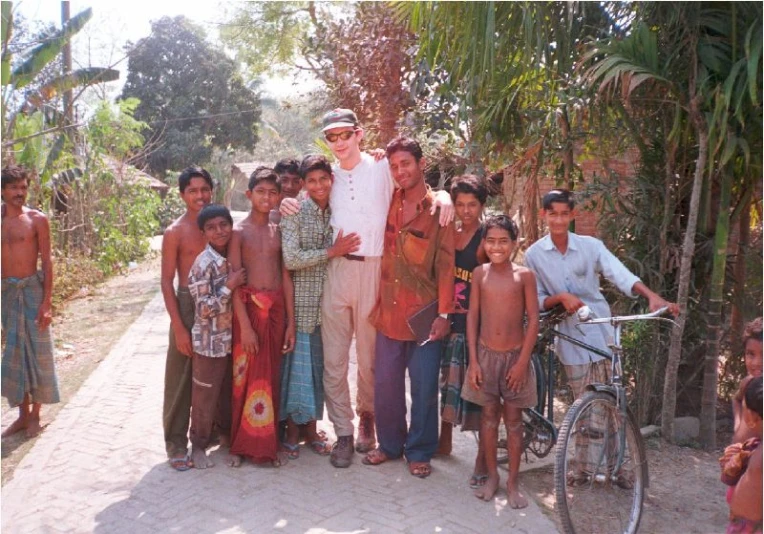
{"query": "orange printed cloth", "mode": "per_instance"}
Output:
(256, 378)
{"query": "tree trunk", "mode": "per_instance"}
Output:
(715, 302)
(685, 270)
(737, 321)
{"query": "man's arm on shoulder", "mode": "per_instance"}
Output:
(443, 201)
(42, 227)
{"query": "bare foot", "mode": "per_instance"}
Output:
(200, 458)
(489, 489)
(515, 499)
(281, 459)
(444, 442)
(234, 460)
(33, 428)
(17, 426)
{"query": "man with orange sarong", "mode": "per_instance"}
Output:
(263, 327)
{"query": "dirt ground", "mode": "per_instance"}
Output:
(84, 330)
(684, 494)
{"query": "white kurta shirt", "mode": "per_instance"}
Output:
(360, 200)
(578, 272)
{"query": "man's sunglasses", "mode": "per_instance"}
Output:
(332, 137)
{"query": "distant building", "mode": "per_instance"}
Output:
(236, 197)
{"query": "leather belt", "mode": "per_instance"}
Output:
(353, 257)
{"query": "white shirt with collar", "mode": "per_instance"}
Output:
(360, 200)
(578, 272)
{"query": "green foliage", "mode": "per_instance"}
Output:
(192, 96)
(123, 222)
(267, 36)
(116, 131)
(362, 53)
(171, 208)
(47, 51)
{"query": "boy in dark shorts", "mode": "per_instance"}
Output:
(500, 346)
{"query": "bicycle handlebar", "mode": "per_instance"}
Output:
(584, 314)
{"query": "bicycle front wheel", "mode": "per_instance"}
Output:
(600, 470)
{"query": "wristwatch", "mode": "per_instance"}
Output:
(443, 315)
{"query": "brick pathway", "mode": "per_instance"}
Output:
(100, 467)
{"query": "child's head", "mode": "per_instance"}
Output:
(263, 189)
(15, 183)
(317, 175)
(752, 403)
(195, 185)
(290, 180)
(500, 235)
(752, 347)
(215, 222)
(558, 210)
(469, 194)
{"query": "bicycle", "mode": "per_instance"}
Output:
(600, 471)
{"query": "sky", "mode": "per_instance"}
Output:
(101, 42)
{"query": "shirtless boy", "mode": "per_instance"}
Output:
(503, 294)
(264, 325)
(181, 244)
(29, 377)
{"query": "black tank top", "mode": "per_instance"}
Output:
(465, 261)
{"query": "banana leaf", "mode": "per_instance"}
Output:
(43, 54)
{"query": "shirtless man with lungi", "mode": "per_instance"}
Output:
(28, 374)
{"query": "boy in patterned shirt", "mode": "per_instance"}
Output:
(211, 282)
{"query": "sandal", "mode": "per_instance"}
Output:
(477, 481)
(420, 469)
(375, 457)
(321, 448)
(292, 451)
(182, 463)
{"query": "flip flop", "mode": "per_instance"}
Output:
(420, 469)
(292, 451)
(321, 448)
(477, 481)
(181, 464)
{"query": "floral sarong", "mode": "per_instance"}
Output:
(256, 377)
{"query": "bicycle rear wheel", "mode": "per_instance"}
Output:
(600, 470)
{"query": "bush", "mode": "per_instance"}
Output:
(71, 273)
(171, 208)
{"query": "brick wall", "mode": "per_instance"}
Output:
(515, 184)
